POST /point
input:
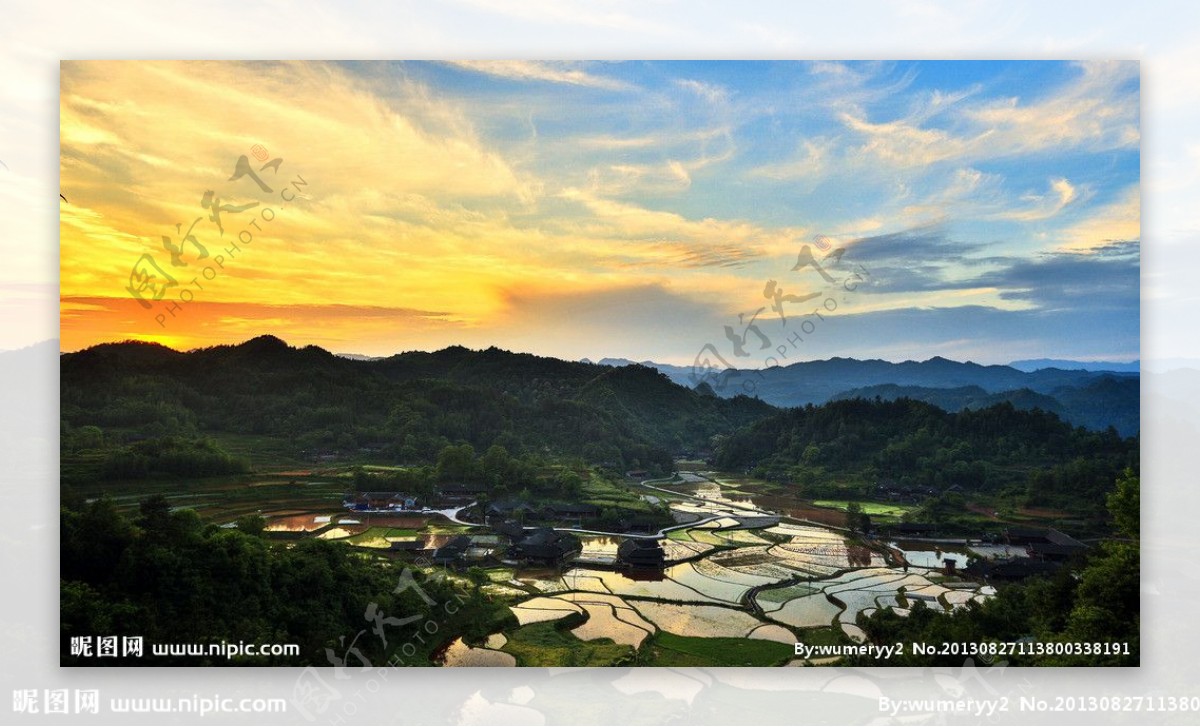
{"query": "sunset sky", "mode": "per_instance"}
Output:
(606, 209)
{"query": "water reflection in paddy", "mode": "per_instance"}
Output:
(682, 550)
(606, 622)
(806, 612)
(773, 632)
(541, 608)
(618, 583)
(694, 620)
(496, 641)
(598, 549)
(704, 596)
(932, 555)
(460, 654)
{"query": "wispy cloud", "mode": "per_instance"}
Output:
(711, 92)
(531, 71)
(458, 198)
(1096, 111)
(1117, 221)
(1060, 195)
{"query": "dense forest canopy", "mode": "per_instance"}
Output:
(172, 579)
(859, 444)
(1095, 602)
(407, 408)
(134, 410)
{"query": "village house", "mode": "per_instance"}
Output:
(1046, 544)
(371, 501)
(509, 510)
(546, 546)
(452, 552)
(641, 553)
(460, 493)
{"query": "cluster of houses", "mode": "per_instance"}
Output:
(1045, 550)
(449, 495)
(513, 544)
(1041, 543)
(1045, 544)
(521, 532)
(523, 511)
(564, 513)
(382, 502)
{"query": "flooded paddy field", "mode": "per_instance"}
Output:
(747, 574)
(927, 554)
(773, 582)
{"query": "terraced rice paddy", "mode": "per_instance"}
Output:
(539, 609)
(932, 555)
(296, 523)
(696, 620)
(731, 576)
(605, 621)
(460, 654)
(805, 612)
(816, 603)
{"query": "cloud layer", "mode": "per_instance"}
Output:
(475, 201)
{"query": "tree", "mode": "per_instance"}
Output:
(251, 524)
(1124, 503)
(495, 464)
(857, 520)
(456, 463)
(569, 483)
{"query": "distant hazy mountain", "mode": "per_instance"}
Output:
(1034, 364)
(1095, 399)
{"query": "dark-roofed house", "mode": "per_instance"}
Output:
(452, 551)
(1047, 544)
(408, 546)
(547, 546)
(637, 524)
(511, 530)
(366, 501)
(510, 509)
(457, 493)
(641, 553)
(1017, 535)
(1056, 552)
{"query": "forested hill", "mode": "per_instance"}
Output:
(913, 446)
(1098, 403)
(406, 407)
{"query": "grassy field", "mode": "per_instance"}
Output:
(601, 492)
(379, 537)
(667, 649)
(874, 509)
(226, 498)
(543, 644)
